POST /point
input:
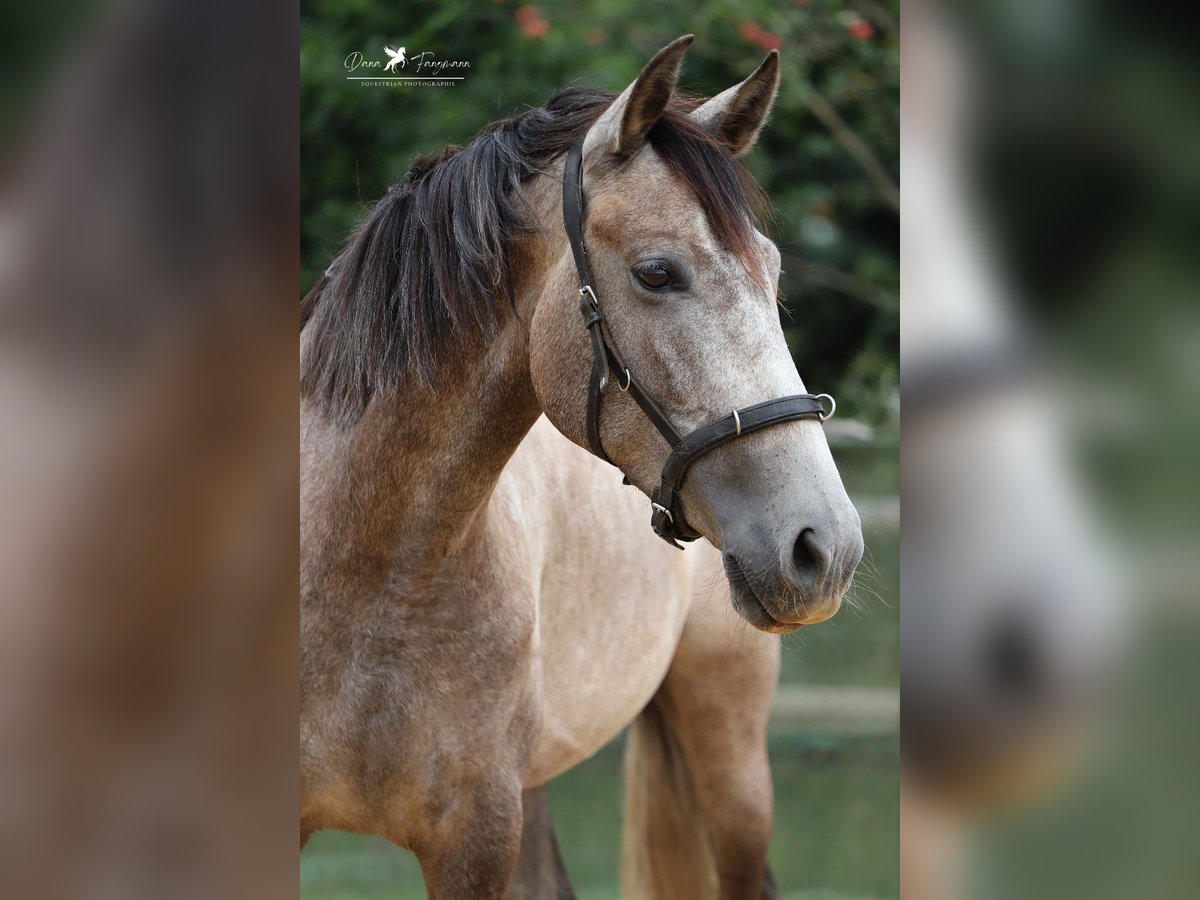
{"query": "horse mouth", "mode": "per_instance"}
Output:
(747, 603)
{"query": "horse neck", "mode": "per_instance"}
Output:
(411, 481)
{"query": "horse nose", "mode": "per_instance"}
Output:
(822, 559)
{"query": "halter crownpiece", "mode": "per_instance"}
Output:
(667, 519)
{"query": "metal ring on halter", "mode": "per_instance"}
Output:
(586, 291)
(737, 421)
(832, 407)
(628, 380)
(664, 510)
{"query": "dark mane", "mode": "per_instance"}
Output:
(430, 261)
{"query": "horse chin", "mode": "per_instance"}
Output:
(750, 608)
(749, 605)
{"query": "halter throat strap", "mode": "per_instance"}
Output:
(667, 519)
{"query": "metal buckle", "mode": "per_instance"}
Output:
(586, 291)
(662, 509)
(737, 421)
(628, 380)
(822, 415)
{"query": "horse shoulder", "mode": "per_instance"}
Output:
(611, 597)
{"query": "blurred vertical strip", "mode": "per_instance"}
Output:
(149, 239)
(1050, 382)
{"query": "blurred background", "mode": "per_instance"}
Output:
(149, 233)
(1050, 335)
(829, 162)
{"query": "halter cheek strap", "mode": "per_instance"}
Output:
(605, 355)
(667, 519)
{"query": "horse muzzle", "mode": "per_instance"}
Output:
(779, 586)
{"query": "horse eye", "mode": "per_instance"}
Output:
(654, 275)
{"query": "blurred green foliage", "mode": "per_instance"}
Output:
(829, 161)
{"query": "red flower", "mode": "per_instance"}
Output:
(535, 28)
(756, 35)
(531, 21)
(860, 30)
(769, 41)
(749, 31)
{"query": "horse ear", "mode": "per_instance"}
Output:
(622, 127)
(738, 114)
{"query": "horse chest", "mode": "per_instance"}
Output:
(413, 701)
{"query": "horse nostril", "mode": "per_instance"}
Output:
(1012, 662)
(808, 556)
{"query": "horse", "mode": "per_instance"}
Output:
(482, 605)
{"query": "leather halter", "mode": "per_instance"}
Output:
(667, 520)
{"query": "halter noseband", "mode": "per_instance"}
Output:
(667, 521)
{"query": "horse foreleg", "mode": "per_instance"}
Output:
(540, 873)
(717, 698)
(474, 853)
